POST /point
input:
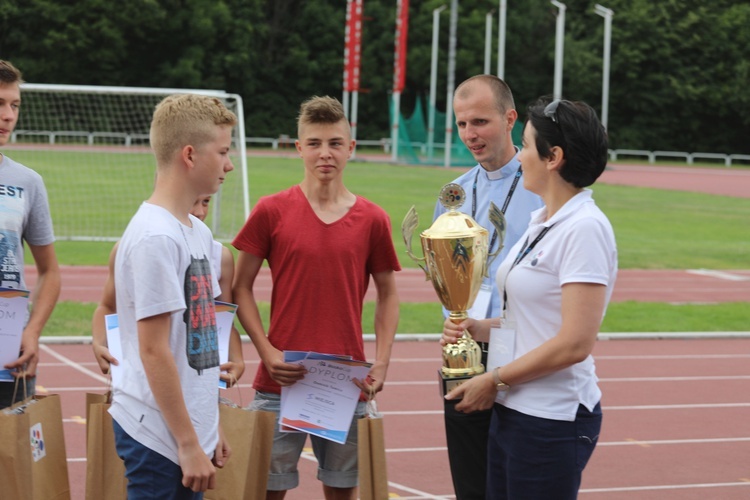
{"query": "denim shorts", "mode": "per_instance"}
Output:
(150, 474)
(337, 463)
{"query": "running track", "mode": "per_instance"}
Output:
(677, 414)
(85, 283)
(676, 419)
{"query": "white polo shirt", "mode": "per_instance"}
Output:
(580, 248)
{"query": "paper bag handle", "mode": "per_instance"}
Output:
(15, 389)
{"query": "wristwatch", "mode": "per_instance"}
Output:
(499, 384)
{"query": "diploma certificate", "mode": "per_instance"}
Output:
(14, 308)
(323, 403)
(114, 344)
(224, 320)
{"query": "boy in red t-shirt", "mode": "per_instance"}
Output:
(322, 243)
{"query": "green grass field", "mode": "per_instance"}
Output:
(74, 318)
(655, 229)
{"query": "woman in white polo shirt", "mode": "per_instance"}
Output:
(556, 281)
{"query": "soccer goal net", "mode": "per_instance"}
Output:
(91, 146)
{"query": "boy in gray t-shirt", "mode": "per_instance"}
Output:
(24, 217)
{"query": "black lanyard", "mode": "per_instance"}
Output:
(521, 254)
(528, 248)
(505, 205)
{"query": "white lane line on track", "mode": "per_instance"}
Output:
(677, 407)
(676, 379)
(630, 442)
(629, 357)
(411, 383)
(636, 442)
(605, 408)
(437, 361)
(663, 487)
(722, 275)
(76, 366)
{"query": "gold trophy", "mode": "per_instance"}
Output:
(456, 251)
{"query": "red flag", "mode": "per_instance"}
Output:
(353, 45)
(402, 32)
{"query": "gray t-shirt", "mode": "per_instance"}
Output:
(24, 216)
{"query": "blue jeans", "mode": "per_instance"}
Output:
(150, 475)
(7, 388)
(534, 458)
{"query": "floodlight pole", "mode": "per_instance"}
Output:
(488, 41)
(433, 81)
(399, 70)
(607, 15)
(559, 42)
(394, 127)
(501, 39)
(451, 84)
(353, 121)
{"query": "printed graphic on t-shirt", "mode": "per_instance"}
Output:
(10, 268)
(200, 316)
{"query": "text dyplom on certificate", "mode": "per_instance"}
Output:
(323, 403)
(14, 306)
(296, 357)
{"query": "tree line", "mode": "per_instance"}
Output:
(679, 80)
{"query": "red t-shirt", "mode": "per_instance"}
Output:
(320, 272)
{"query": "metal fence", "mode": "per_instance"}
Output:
(284, 141)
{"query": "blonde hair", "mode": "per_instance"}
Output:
(9, 74)
(186, 119)
(317, 110)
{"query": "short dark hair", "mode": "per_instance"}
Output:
(9, 73)
(500, 89)
(576, 129)
(320, 110)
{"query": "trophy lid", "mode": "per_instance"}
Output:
(453, 224)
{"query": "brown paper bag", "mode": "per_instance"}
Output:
(105, 471)
(32, 450)
(373, 475)
(250, 435)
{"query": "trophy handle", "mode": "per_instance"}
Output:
(410, 223)
(497, 219)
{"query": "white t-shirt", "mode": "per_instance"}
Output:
(216, 251)
(580, 248)
(164, 266)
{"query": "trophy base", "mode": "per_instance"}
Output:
(450, 382)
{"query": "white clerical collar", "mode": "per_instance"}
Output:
(507, 170)
(495, 174)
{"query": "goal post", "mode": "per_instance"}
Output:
(91, 146)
